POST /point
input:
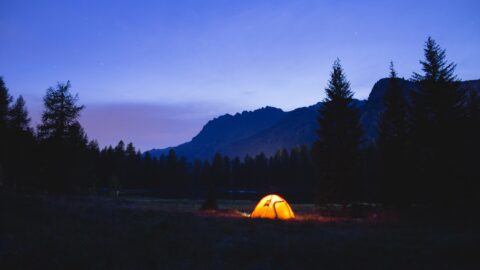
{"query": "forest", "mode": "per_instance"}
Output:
(426, 153)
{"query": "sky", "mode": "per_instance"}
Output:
(154, 72)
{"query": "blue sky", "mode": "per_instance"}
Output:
(153, 72)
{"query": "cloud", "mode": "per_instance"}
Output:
(147, 125)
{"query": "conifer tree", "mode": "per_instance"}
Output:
(217, 176)
(436, 116)
(393, 143)
(61, 113)
(130, 151)
(5, 100)
(206, 179)
(63, 140)
(18, 119)
(120, 149)
(119, 167)
(337, 148)
(21, 144)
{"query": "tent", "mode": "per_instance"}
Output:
(273, 206)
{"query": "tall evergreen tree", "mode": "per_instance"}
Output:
(393, 143)
(120, 149)
(18, 119)
(61, 113)
(336, 151)
(437, 109)
(5, 100)
(217, 177)
(130, 151)
(119, 167)
(21, 145)
(63, 140)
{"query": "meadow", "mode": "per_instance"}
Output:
(145, 233)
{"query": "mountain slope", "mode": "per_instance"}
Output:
(225, 130)
(296, 128)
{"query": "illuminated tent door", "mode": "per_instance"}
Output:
(273, 206)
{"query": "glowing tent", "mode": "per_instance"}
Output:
(273, 206)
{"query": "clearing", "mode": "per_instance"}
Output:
(141, 233)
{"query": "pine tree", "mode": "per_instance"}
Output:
(393, 143)
(61, 113)
(436, 116)
(336, 151)
(217, 177)
(207, 182)
(435, 67)
(119, 161)
(130, 151)
(63, 140)
(132, 168)
(120, 149)
(5, 100)
(21, 145)
(18, 119)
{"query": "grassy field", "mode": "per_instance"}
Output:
(139, 233)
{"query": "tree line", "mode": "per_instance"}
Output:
(59, 158)
(426, 151)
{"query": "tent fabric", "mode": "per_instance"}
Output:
(273, 206)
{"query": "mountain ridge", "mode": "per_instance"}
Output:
(269, 129)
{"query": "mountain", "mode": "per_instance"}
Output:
(269, 129)
(222, 132)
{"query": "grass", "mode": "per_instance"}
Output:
(140, 233)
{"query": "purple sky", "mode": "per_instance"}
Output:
(153, 72)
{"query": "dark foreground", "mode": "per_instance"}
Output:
(152, 234)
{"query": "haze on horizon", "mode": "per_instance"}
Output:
(154, 72)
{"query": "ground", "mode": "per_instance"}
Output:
(136, 233)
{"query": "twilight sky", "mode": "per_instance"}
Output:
(153, 72)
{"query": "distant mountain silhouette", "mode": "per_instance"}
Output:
(222, 132)
(269, 129)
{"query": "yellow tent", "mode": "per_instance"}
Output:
(273, 206)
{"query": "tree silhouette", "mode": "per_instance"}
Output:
(21, 145)
(18, 119)
(217, 177)
(208, 177)
(337, 148)
(5, 100)
(61, 113)
(393, 143)
(63, 140)
(437, 108)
